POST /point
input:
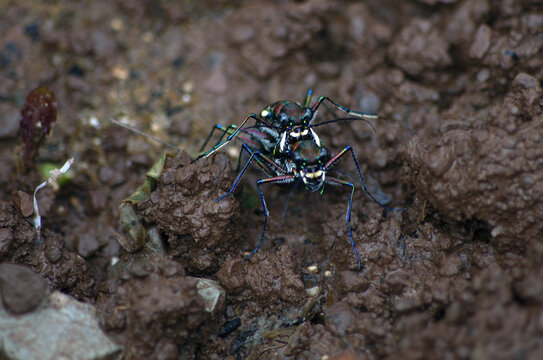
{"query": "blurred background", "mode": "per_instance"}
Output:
(457, 83)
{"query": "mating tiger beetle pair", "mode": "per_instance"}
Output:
(286, 148)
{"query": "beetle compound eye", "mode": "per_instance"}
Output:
(284, 120)
(307, 116)
(324, 154)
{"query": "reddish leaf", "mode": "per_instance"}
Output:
(39, 114)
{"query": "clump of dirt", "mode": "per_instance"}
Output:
(46, 255)
(199, 230)
(18, 235)
(489, 168)
(153, 308)
(267, 278)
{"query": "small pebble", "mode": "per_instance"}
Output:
(22, 289)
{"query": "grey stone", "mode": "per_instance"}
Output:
(60, 328)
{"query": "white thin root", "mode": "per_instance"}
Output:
(54, 175)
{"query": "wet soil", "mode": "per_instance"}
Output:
(460, 144)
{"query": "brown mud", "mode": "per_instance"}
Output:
(458, 82)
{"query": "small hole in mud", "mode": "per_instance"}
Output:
(318, 319)
(178, 62)
(279, 241)
(480, 231)
(439, 314)
(362, 216)
(517, 297)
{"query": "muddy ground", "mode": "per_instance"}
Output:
(458, 83)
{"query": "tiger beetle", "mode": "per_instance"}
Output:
(309, 163)
(287, 149)
(280, 125)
